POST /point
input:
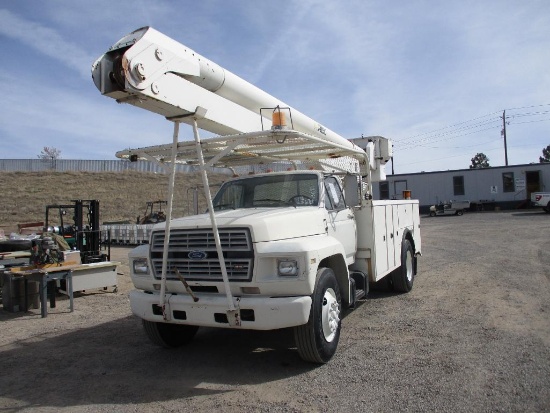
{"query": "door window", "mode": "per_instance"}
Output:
(334, 199)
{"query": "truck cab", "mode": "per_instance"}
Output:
(273, 227)
(277, 230)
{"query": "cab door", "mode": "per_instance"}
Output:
(341, 221)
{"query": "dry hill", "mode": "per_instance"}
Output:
(121, 195)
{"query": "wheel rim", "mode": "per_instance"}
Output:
(409, 264)
(330, 315)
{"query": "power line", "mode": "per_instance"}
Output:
(530, 114)
(453, 131)
(446, 157)
(462, 147)
(531, 121)
(445, 127)
(469, 127)
(529, 107)
(436, 136)
(419, 144)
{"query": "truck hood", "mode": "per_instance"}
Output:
(266, 224)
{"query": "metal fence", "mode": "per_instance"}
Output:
(80, 165)
(64, 165)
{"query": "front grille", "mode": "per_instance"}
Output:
(234, 240)
(237, 269)
(236, 246)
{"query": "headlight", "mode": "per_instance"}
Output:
(287, 268)
(140, 266)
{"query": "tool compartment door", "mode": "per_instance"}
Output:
(380, 229)
(381, 240)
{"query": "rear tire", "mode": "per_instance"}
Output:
(318, 339)
(432, 213)
(403, 277)
(460, 212)
(169, 335)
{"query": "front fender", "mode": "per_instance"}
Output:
(308, 251)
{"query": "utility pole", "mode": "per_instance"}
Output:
(503, 133)
(392, 172)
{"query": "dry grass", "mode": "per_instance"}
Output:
(121, 195)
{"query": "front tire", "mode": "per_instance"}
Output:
(169, 335)
(318, 339)
(403, 277)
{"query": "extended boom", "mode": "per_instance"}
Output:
(152, 71)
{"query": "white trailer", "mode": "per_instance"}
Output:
(292, 248)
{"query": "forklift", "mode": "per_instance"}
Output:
(82, 233)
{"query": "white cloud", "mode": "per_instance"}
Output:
(82, 125)
(45, 40)
(397, 69)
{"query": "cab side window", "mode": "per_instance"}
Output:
(334, 199)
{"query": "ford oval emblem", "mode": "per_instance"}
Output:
(197, 255)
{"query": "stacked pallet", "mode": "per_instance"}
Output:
(126, 234)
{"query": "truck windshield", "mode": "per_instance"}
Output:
(294, 190)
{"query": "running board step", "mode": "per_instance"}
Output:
(360, 294)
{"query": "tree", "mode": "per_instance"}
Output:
(480, 161)
(545, 158)
(50, 153)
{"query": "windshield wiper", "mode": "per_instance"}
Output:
(223, 206)
(273, 201)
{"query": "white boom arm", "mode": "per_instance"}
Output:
(152, 71)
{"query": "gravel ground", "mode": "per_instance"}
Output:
(472, 336)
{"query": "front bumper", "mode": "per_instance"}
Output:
(257, 313)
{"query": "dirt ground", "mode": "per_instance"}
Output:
(472, 336)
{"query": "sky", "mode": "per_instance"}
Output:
(433, 76)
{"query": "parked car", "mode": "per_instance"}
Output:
(541, 199)
(449, 208)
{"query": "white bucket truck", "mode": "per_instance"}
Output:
(292, 248)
